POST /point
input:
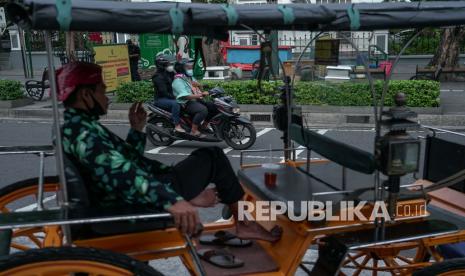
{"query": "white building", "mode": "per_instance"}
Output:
(299, 39)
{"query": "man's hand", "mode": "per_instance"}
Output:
(137, 116)
(186, 217)
(196, 84)
(205, 94)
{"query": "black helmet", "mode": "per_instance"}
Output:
(179, 67)
(162, 61)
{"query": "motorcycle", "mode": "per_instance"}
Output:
(238, 132)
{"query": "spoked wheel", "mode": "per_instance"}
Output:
(453, 267)
(22, 196)
(36, 93)
(239, 136)
(394, 259)
(72, 261)
(162, 125)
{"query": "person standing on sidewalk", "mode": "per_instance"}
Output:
(134, 56)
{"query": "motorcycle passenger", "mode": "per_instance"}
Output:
(197, 88)
(184, 92)
(164, 97)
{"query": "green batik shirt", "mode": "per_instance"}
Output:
(117, 168)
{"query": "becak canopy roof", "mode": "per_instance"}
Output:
(215, 20)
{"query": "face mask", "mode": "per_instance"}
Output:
(97, 110)
(189, 72)
(170, 68)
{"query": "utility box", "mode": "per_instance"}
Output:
(217, 73)
(338, 73)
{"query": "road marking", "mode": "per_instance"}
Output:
(33, 206)
(260, 133)
(158, 149)
(301, 149)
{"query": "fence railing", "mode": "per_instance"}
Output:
(389, 42)
(362, 40)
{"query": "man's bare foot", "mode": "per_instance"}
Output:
(253, 231)
(205, 199)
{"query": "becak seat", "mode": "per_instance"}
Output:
(78, 196)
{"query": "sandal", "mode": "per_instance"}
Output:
(220, 258)
(224, 238)
(180, 130)
(198, 135)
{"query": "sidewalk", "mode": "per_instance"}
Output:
(453, 97)
(19, 75)
(450, 114)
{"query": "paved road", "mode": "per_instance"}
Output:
(38, 133)
(14, 168)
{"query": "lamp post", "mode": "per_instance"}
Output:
(399, 151)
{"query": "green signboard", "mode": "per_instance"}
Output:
(152, 45)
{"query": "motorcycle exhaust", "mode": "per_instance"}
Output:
(160, 132)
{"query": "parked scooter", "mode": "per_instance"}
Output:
(238, 132)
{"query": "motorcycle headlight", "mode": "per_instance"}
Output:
(236, 110)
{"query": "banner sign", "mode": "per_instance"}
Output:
(2, 18)
(114, 60)
(327, 52)
(2, 21)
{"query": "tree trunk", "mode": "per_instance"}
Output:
(70, 47)
(212, 53)
(447, 54)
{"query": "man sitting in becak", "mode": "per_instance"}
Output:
(117, 171)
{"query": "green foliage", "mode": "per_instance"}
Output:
(425, 43)
(420, 93)
(130, 92)
(10, 90)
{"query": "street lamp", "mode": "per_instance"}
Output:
(399, 153)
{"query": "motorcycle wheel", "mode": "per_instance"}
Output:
(155, 138)
(239, 136)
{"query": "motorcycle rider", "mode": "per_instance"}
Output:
(164, 97)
